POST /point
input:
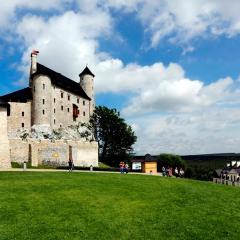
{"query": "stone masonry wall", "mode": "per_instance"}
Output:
(54, 106)
(20, 113)
(54, 153)
(19, 150)
(63, 105)
(4, 143)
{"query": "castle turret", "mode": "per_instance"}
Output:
(42, 95)
(87, 84)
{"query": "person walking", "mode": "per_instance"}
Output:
(163, 171)
(70, 165)
(121, 165)
(176, 172)
(126, 168)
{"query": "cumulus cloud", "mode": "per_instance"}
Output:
(175, 113)
(182, 21)
(214, 130)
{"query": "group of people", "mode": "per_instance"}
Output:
(168, 172)
(123, 167)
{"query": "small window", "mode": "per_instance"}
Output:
(43, 86)
(62, 108)
(61, 94)
(78, 100)
(83, 103)
(22, 114)
(60, 125)
(43, 112)
(54, 110)
(54, 100)
(54, 121)
(22, 125)
(68, 110)
(68, 97)
(43, 101)
(84, 114)
(8, 110)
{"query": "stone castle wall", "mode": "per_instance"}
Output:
(20, 116)
(4, 143)
(54, 106)
(54, 153)
(19, 150)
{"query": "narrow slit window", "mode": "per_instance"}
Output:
(22, 114)
(22, 125)
(61, 94)
(43, 101)
(43, 112)
(43, 86)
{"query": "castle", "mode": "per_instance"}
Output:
(51, 100)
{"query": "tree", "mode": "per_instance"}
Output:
(170, 160)
(114, 136)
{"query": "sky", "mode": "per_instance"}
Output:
(171, 67)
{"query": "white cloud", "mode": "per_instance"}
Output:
(182, 20)
(8, 9)
(214, 130)
(189, 116)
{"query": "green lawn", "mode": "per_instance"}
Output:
(113, 206)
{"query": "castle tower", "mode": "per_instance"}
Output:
(87, 84)
(42, 95)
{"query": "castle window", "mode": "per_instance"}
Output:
(84, 114)
(60, 125)
(54, 110)
(68, 97)
(8, 110)
(43, 101)
(75, 112)
(78, 100)
(83, 103)
(54, 121)
(61, 94)
(62, 108)
(68, 110)
(43, 112)
(43, 86)
(54, 100)
(22, 125)
(22, 114)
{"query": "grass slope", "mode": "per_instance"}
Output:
(113, 206)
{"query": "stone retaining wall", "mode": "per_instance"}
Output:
(54, 153)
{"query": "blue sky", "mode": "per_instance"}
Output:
(170, 67)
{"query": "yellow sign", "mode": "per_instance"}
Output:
(55, 155)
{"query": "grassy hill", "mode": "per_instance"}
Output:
(113, 206)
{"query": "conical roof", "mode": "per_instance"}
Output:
(86, 71)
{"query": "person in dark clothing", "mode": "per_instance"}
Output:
(70, 165)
